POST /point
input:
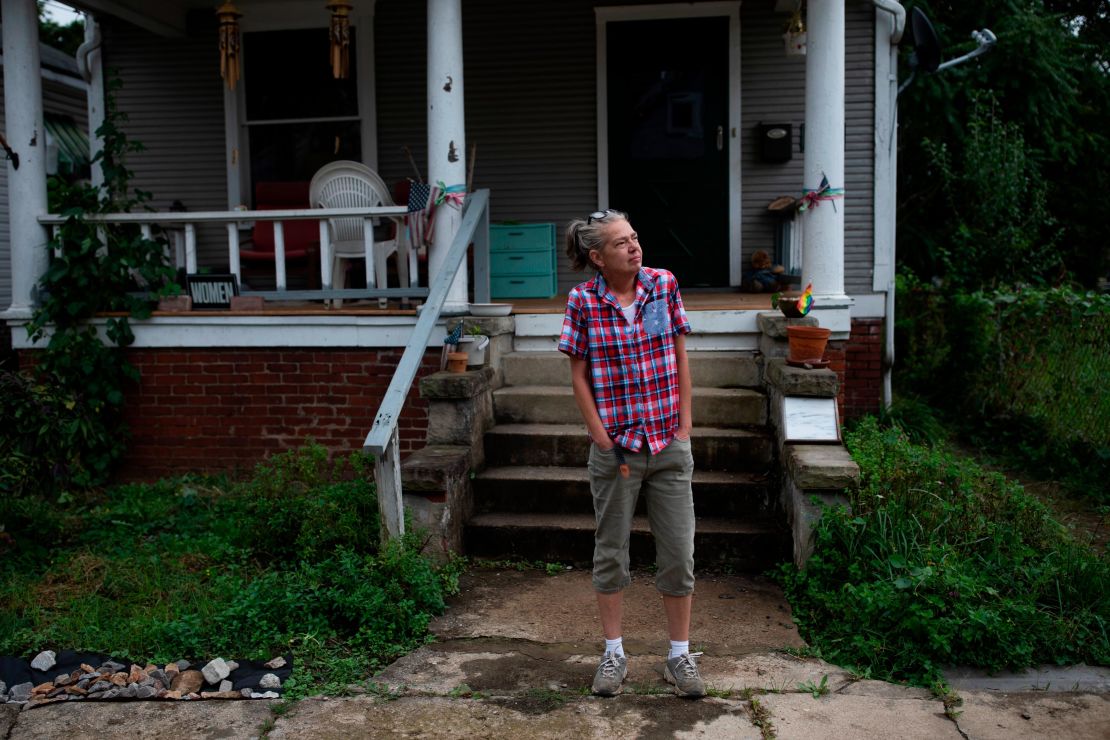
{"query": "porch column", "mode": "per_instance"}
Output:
(823, 224)
(446, 134)
(25, 135)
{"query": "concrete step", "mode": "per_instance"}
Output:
(548, 404)
(567, 490)
(746, 544)
(714, 448)
(709, 369)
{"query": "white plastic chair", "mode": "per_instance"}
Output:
(347, 184)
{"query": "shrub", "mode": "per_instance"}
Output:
(942, 563)
(1023, 371)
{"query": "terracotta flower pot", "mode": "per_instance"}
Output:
(456, 362)
(807, 342)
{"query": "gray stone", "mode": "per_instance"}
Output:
(821, 467)
(159, 675)
(182, 665)
(145, 692)
(245, 693)
(232, 666)
(3, 689)
(148, 681)
(275, 663)
(111, 693)
(269, 681)
(225, 686)
(45, 660)
(88, 677)
(800, 381)
(112, 667)
(99, 686)
(773, 323)
(21, 692)
(215, 671)
(265, 695)
(454, 386)
(129, 691)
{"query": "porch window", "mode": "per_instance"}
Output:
(299, 117)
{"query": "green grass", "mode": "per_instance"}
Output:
(287, 562)
(940, 563)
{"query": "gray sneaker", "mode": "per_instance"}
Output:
(610, 674)
(682, 671)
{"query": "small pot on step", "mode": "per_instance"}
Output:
(807, 343)
(456, 362)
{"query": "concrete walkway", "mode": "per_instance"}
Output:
(517, 651)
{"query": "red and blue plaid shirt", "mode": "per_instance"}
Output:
(632, 367)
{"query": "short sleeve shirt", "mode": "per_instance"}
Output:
(633, 369)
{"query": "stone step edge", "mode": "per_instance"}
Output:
(580, 430)
(579, 474)
(586, 524)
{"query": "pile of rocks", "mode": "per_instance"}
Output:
(112, 680)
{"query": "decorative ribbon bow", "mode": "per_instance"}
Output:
(454, 194)
(813, 198)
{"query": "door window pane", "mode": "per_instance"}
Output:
(288, 75)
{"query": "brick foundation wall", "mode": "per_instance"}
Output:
(223, 410)
(859, 364)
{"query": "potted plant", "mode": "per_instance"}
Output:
(807, 343)
(475, 344)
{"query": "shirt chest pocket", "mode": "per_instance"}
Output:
(657, 320)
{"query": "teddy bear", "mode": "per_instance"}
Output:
(764, 277)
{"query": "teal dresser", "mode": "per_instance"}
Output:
(522, 261)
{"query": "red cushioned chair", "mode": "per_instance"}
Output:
(302, 238)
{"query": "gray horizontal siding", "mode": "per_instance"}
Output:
(774, 92)
(173, 98)
(530, 104)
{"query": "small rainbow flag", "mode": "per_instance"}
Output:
(805, 300)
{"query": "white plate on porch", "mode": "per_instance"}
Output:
(490, 309)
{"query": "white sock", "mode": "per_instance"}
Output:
(615, 646)
(679, 648)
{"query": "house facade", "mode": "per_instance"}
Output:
(692, 117)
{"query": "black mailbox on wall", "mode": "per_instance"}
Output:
(776, 142)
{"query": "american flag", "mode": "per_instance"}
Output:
(417, 219)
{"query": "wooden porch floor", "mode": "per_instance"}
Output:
(695, 300)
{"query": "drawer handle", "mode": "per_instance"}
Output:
(516, 233)
(516, 258)
(517, 282)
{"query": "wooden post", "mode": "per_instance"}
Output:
(387, 473)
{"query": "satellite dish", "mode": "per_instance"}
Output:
(926, 45)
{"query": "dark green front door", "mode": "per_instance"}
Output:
(668, 141)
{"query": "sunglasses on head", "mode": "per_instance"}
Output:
(599, 215)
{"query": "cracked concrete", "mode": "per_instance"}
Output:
(515, 656)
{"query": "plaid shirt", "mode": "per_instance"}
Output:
(633, 369)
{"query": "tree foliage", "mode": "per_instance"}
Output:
(1048, 89)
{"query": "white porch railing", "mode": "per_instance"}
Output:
(182, 227)
(382, 439)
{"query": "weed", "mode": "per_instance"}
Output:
(718, 693)
(646, 689)
(816, 689)
(546, 699)
(949, 697)
(179, 578)
(761, 718)
(941, 562)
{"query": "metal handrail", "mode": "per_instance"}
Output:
(382, 441)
